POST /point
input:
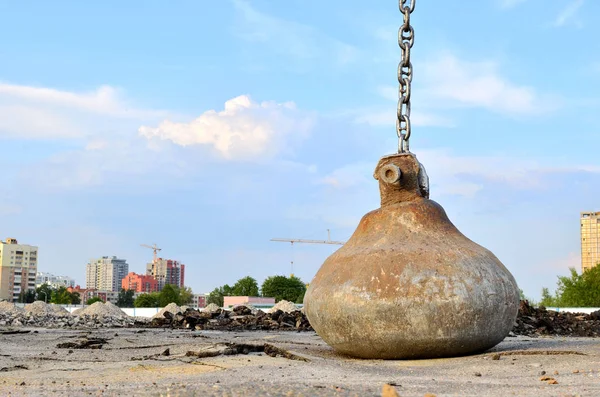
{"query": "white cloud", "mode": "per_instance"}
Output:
(243, 130)
(292, 39)
(462, 175)
(478, 85)
(449, 81)
(29, 112)
(569, 14)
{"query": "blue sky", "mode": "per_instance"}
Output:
(211, 127)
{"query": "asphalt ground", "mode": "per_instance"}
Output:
(133, 362)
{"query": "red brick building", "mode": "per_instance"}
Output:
(140, 283)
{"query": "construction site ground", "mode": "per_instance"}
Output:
(136, 362)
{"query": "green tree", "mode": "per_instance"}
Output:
(185, 295)
(169, 294)
(93, 300)
(62, 296)
(216, 296)
(44, 293)
(246, 286)
(26, 296)
(576, 290)
(580, 290)
(125, 298)
(75, 298)
(547, 299)
(147, 300)
(284, 288)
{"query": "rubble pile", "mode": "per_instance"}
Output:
(284, 306)
(171, 308)
(41, 308)
(10, 308)
(241, 318)
(41, 314)
(211, 307)
(533, 321)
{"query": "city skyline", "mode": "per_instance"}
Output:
(239, 121)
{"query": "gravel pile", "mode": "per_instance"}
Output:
(533, 321)
(42, 308)
(284, 306)
(101, 309)
(10, 308)
(171, 308)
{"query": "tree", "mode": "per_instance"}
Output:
(576, 290)
(93, 300)
(147, 300)
(62, 296)
(44, 293)
(27, 296)
(75, 298)
(169, 294)
(547, 299)
(284, 288)
(216, 296)
(125, 298)
(185, 295)
(246, 286)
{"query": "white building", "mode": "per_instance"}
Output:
(105, 274)
(18, 268)
(53, 281)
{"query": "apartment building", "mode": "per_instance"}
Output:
(106, 273)
(166, 271)
(18, 268)
(53, 281)
(590, 240)
(139, 283)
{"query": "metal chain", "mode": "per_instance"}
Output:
(406, 39)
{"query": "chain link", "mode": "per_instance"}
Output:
(406, 39)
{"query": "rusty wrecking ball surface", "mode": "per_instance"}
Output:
(408, 284)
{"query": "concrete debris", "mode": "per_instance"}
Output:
(171, 308)
(284, 306)
(240, 318)
(211, 307)
(533, 321)
(41, 307)
(229, 349)
(10, 308)
(530, 321)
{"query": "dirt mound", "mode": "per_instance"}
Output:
(533, 321)
(171, 308)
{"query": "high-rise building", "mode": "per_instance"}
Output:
(54, 281)
(18, 268)
(139, 283)
(166, 271)
(590, 240)
(105, 274)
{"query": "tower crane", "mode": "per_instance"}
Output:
(154, 248)
(299, 240)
